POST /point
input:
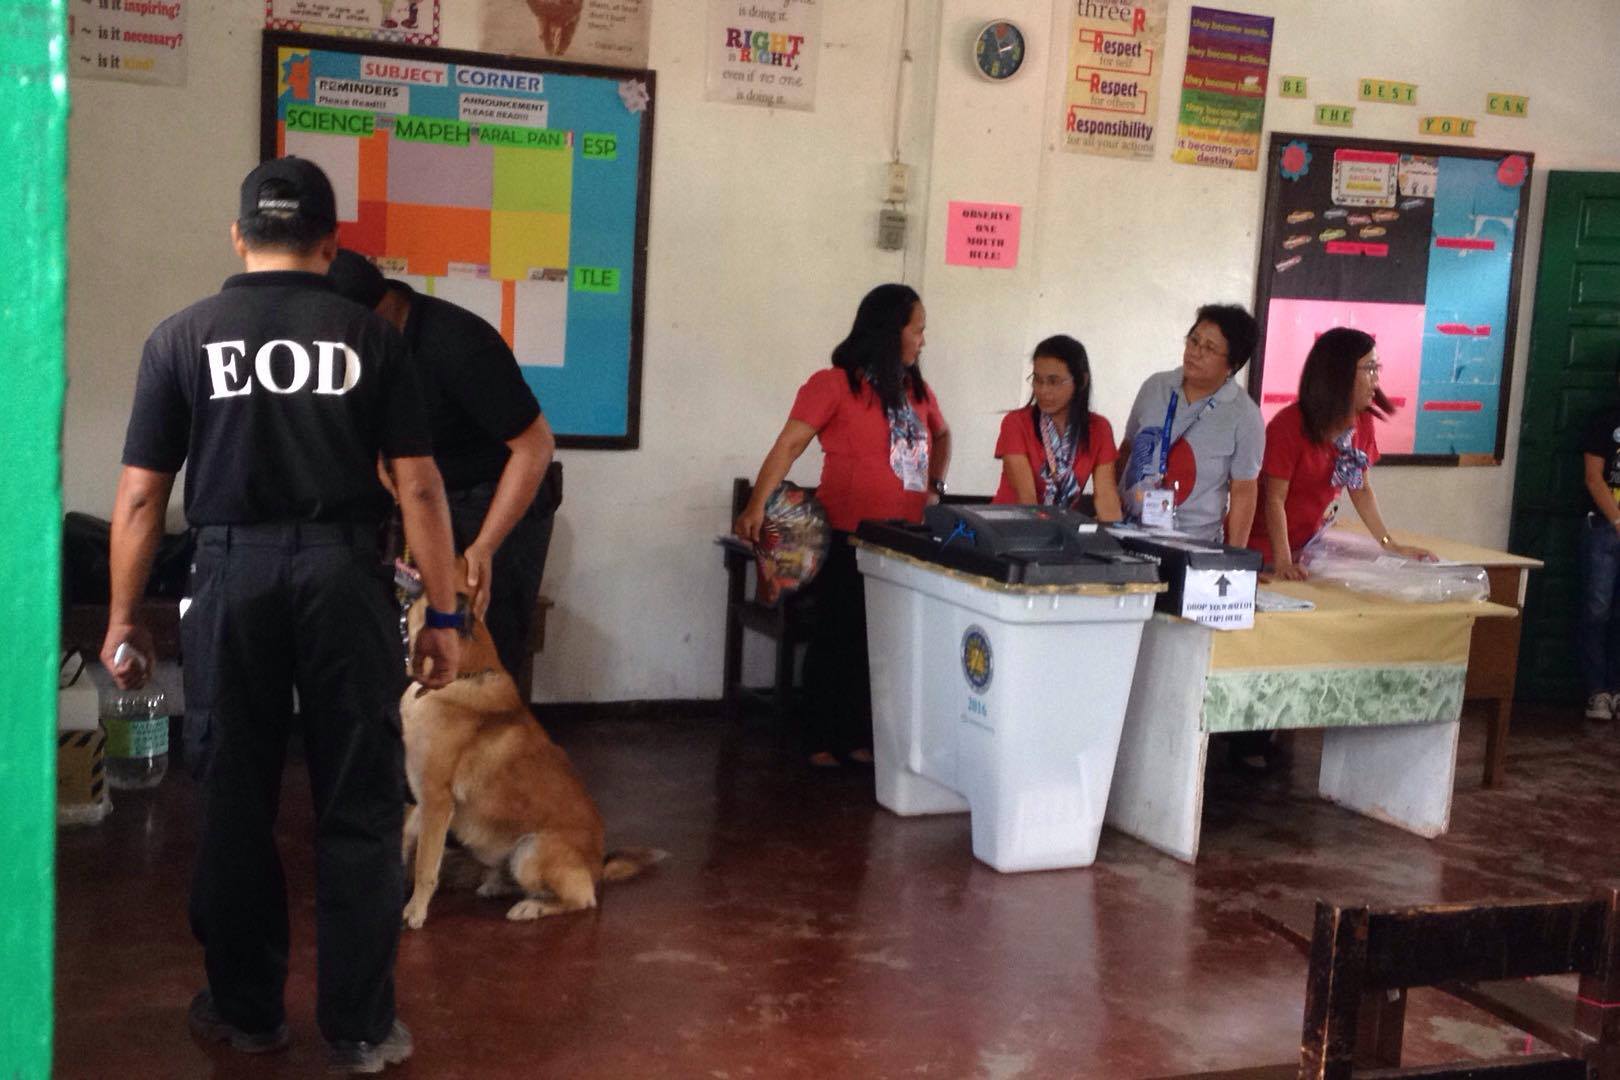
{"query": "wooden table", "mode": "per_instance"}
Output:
(1493, 655)
(1384, 679)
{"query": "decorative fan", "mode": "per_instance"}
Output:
(792, 542)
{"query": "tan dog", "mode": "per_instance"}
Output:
(481, 765)
(558, 20)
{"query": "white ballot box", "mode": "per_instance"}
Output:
(1002, 698)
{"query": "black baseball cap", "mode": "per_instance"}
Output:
(303, 192)
(354, 276)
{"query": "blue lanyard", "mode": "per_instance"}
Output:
(1169, 421)
(1164, 439)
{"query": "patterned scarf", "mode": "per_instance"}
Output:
(1057, 473)
(1350, 464)
(908, 440)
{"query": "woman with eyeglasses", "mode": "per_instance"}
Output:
(885, 447)
(1195, 438)
(1321, 445)
(1051, 447)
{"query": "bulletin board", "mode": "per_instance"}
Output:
(1420, 246)
(515, 188)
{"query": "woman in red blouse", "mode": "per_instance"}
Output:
(1050, 448)
(885, 448)
(1321, 445)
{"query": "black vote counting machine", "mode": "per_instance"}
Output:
(1016, 545)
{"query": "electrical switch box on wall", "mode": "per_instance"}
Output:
(891, 230)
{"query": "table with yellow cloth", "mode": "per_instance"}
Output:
(1383, 677)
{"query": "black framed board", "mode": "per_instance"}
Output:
(516, 188)
(1420, 246)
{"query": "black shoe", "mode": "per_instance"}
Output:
(205, 1022)
(364, 1057)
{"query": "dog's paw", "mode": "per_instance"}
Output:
(415, 915)
(526, 910)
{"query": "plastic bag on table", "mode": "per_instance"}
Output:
(1358, 562)
(792, 542)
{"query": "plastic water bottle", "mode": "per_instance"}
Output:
(137, 723)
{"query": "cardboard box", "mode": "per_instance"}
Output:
(1208, 583)
(81, 767)
(81, 756)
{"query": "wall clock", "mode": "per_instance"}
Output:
(998, 50)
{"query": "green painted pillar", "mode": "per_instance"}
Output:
(33, 193)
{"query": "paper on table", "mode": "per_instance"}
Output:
(1268, 600)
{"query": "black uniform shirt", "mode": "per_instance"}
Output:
(1602, 438)
(280, 394)
(474, 390)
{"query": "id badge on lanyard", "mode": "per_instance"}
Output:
(910, 463)
(908, 457)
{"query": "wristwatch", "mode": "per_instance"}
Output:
(445, 620)
(937, 486)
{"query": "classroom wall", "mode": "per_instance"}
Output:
(762, 240)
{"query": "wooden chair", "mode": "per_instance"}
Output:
(788, 623)
(547, 500)
(1363, 961)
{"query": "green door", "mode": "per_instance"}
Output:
(1574, 353)
(33, 181)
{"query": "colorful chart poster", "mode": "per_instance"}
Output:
(1420, 246)
(514, 188)
(612, 32)
(140, 41)
(982, 234)
(763, 52)
(1223, 93)
(409, 22)
(1111, 94)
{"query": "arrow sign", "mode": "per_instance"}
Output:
(1223, 583)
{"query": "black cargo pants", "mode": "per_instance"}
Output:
(306, 606)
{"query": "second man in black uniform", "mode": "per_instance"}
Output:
(491, 443)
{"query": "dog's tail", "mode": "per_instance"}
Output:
(627, 862)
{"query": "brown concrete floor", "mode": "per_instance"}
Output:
(798, 930)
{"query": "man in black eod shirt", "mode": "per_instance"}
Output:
(278, 396)
(490, 440)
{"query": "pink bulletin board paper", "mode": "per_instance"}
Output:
(1292, 327)
(982, 234)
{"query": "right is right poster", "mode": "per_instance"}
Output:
(1420, 246)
